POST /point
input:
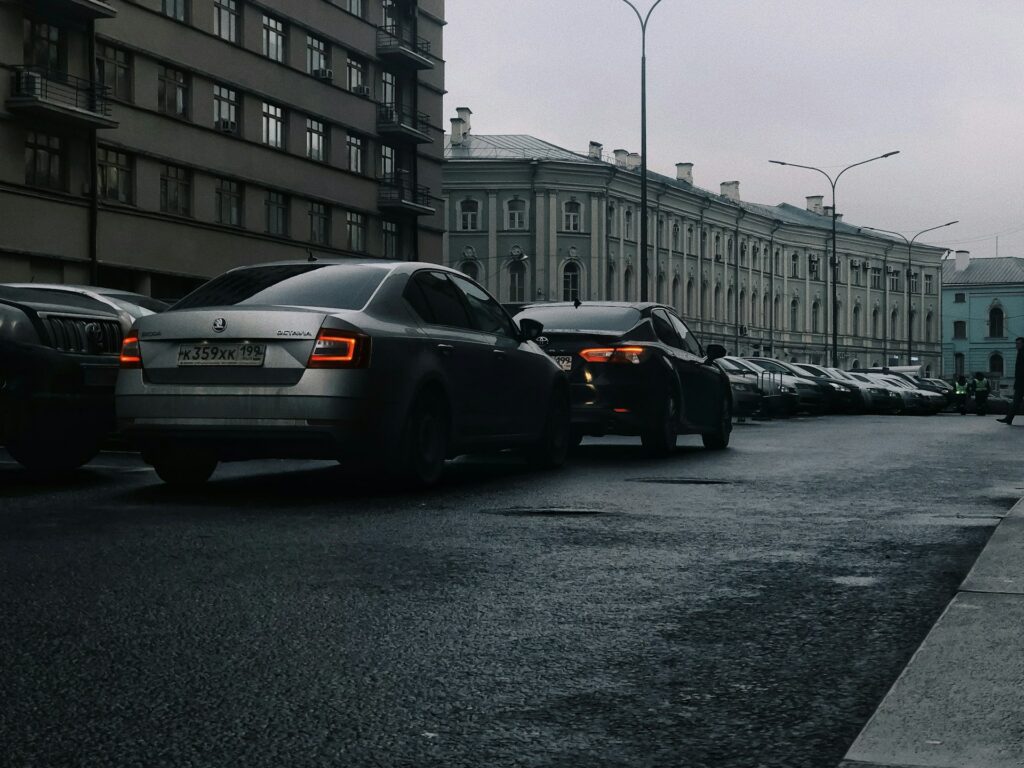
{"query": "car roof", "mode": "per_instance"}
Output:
(638, 305)
(366, 261)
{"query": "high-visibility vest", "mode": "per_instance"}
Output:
(961, 389)
(981, 386)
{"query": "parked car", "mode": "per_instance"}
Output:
(398, 364)
(747, 398)
(814, 397)
(135, 304)
(930, 402)
(779, 394)
(58, 365)
(636, 369)
(837, 397)
(863, 401)
(879, 399)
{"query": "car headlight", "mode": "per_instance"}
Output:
(740, 387)
(786, 390)
(837, 387)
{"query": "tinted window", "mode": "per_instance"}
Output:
(689, 342)
(153, 305)
(306, 285)
(436, 300)
(663, 327)
(486, 313)
(59, 298)
(584, 318)
(771, 365)
(736, 365)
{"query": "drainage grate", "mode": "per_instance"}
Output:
(678, 481)
(542, 512)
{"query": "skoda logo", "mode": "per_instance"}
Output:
(219, 325)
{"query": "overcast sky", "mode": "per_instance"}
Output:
(732, 85)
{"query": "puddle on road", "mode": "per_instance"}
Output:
(678, 481)
(856, 581)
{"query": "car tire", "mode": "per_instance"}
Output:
(183, 470)
(551, 450)
(52, 458)
(424, 442)
(660, 434)
(719, 439)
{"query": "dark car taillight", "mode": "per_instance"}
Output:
(629, 355)
(339, 349)
(131, 353)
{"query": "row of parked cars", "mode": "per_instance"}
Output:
(394, 365)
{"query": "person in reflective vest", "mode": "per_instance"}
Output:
(981, 391)
(1018, 382)
(960, 390)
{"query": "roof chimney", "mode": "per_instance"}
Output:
(633, 160)
(684, 172)
(731, 190)
(963, 260)
(464, 113)
(814, 203)
(827, 210)
(620, 157)
(458, 131)
(594, 153)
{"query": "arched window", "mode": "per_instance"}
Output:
(777, 313)
(856, 320)
(795, 265)
(929, 333)
(995, 364)
(856, 364)
(730, 305)
(840, 318)
(675, 235)
(927, 371)
(717, 308)
(469, 214)
(675, 292)
(613, 220)
(627, 283)
(516, 281)
(515, 214)
(718, 247)
(742, 305)
(794, 315)
(610, 283)
(660, 232)
(815, 317)
(571, 216)
(689, 297)
(875, 334)
(689, 239)
(753, 309)
(765, 316)
(894, 324)
(571, 282)
(471, 269)
(995, 323)
(628, 223)
(958, 364)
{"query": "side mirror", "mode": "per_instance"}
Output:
(716, 351)
(530, 329)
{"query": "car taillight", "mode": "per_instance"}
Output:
(631, 355)
(131, 353)
(339, 349)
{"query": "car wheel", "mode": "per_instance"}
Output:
(52, 458)
(719, 439)
(550, 451)
(183, 470)
(424, 445)
(659, 436)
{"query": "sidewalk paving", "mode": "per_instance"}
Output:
(959, 703)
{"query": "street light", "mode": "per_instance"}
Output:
(835, 258)
(643, 143)
(910, 246)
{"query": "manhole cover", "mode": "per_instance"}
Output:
(543, 511)
(678, 481)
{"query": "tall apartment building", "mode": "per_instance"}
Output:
(536, 222)
(151, 144)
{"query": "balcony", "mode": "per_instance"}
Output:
(59, 97)
(396, 122)
(78, 10)
(393, 46)
(399, 195)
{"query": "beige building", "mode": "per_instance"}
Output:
(223, 132)
(536, 222)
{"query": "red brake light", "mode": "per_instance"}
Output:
(131, 353)
(339, 349)
(629, 355)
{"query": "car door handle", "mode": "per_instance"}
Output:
(445, 349)
(500, 354)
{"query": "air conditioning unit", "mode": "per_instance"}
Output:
(854, 263)
(361, 90)
(30, 84)
(323, 74)
(226, 126)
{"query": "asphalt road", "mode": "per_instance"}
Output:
(745, 608)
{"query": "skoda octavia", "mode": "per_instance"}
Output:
(399, 364)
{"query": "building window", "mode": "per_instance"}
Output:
(225, 20)
(995, 322)
(44, 161)
(114, 70)
(229, 203)
(114, 173)
(929, 324)
(45, 46)
(875, 332)
(795, 265)
(389, 239)
(571, 282)
(355, 7)
(958, 364)
(471, 269)
(355, 153)
(176, 9)
(855, 277)
(172, 92)
(389, 91)
(176, 190)
(959, 298)
(929, 285)
(613, 219)
(959, 329)
(516, 214)
(356, 229)
(356, 73)
(277, 213)
(316, 55)
(571, 217)
(225, 109)
(627, 283)
(856, 320)
(894, 324)
(628, 224)
(794, 315)
(469, 215)
(689, 240)
(913, 282)
(995, 364)
(816, 317)
(387, 162)
(516, 282)
(894, 279)
(675, 235)
(273, 38)
(876, 277)
(812, 267)
(273, 125)
(319, 224)
(316, 140)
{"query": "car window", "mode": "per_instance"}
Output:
(690, 343)
(771, 365)
(486, 313)
(586, 317)
(663, 328)
(436, 300)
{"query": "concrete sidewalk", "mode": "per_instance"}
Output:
(959, 703)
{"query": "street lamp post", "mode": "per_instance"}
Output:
(835, 258)
(644, 274)
(910, 246)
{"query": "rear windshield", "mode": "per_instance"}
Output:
(69, 299)
(153, 305)
(583, 318)
(338, 286)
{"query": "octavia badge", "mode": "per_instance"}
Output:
(219, 325)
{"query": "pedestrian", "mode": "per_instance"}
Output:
(1018, 382)
(961, 394)
(981, 390)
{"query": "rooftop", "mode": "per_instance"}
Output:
(1000, 269)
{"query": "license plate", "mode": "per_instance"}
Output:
(221, 354)
(564, 362)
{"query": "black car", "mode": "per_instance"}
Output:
(835, 396)
(636, 369)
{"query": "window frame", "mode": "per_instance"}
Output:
(273, 38)
(226, 11)
(319, 223)
(355, 231)
(179, 82)
(228, 196)
(269, 120)
(120, 165)
(35, 149)
(316, 140)
(277, 209)
(108, 60)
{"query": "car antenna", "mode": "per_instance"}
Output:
(311, 256)
(576, 302)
